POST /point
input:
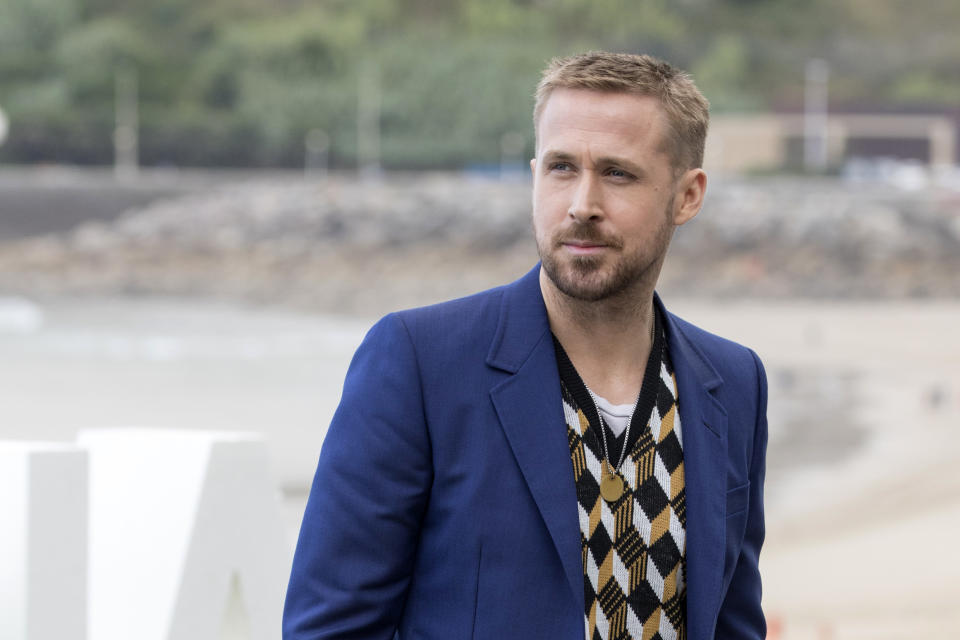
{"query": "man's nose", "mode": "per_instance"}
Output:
(586, 203)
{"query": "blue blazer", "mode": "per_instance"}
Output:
(443, 505)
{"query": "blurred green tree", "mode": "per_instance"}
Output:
(241, 82)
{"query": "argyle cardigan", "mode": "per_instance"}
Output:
(633, 548)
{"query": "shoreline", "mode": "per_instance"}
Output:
(859, 542)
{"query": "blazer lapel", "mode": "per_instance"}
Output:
(703, 423)
(528, 404)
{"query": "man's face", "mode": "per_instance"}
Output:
(605, 198)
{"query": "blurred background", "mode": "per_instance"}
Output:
(203, 207)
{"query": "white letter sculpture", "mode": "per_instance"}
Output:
(186, 540)
(43, 541)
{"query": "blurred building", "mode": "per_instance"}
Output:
(769, 142)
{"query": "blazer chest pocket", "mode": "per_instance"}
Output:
(738, 500)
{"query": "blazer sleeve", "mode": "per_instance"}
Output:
(740, 614)
(357, 543)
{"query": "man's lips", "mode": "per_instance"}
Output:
(581, 248)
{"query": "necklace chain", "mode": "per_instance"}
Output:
(603, 429)
(603, 433)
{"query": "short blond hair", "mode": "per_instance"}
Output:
(687, 111)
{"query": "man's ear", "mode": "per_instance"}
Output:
(688, 198)
(533, 166)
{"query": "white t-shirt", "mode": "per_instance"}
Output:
(615, 416)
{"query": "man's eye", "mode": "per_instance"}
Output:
(618, 173)
(560, 166)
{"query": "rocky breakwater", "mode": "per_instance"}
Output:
(821, 238)
(353, 246)
(339, 245)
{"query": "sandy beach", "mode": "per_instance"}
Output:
(863, 495)
(863, 548)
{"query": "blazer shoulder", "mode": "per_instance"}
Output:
(454, 323)
(732, 361)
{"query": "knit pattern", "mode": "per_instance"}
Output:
(633, 548)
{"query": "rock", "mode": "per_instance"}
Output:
(349, 244)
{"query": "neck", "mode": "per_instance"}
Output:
(608, 341)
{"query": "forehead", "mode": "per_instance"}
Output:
(626, 121)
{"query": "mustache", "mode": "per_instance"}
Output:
(586, 232)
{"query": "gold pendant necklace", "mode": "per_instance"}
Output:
(611, 484)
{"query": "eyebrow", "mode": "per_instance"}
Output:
(604, 161)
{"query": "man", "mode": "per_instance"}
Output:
(559, 456)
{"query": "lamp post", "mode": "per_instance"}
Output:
(317, 153)
(125, 135)
(4, 126)
(368, 120)
(815, 126)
